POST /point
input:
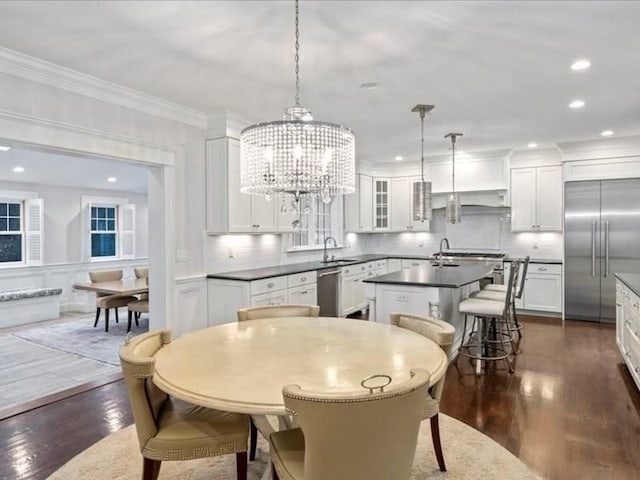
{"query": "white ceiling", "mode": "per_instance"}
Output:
(496, 71)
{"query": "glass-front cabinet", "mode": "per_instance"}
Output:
(381, 194)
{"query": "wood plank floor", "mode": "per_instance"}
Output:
(570, 410)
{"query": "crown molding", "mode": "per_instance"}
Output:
(31, 68)
(616, 147)
(226, 124)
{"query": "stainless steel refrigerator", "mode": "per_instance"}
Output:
(601, 237)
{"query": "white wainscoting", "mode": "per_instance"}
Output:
(64, 276)
(191, 305)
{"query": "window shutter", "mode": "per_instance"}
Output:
(33, 220)
(127, 231)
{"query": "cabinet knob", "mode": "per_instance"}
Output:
(303, 279)
(270, 285)
(542, 269)
(304, 293)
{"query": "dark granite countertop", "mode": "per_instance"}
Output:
(549, 261)
(430, 276)
(631, 280)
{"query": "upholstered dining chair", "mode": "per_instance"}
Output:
(142, 272)
(135, 309)
(347, 436)
(273, 311)
(172, 430)
(278, 311)
(443, 334)
(105, 301)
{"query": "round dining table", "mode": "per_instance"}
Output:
(242, 366)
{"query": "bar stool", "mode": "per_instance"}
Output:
(490, 316)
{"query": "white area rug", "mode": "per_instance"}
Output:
(468, 454)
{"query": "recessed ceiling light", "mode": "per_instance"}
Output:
(580, 64)
(577, 104)
(369, 85)
(606, 133)
(399, 158)
(112, 179)
(4, 149)
(18, 169)
(532, 145)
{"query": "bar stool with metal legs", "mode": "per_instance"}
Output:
(491, 326)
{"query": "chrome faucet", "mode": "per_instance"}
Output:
(444, 240)
(325, 256)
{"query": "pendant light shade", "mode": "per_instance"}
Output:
(422, 190)
(297, 155)
(453, 211)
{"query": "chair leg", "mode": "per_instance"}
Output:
(129, 321)
(137, 317)
(95, 324)
(116, 309)
(253, 442)
(437, 446)
(150, 469)
(274, 473)
(106, 319)
(241, 465)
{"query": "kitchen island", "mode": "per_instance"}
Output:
(426, 290)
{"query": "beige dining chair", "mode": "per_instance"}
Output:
(443, 334)
(273, 311)
(169, 429)
(106, 301)
(135, 309)
(347, 436)
(142, 272)
(278, 311)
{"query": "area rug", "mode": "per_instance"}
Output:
(78, 337)
(468, 453)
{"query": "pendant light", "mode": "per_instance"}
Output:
(453, 200)
(297, 155)
(422, 190)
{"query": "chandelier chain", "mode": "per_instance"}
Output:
(297, 57)
(422, 143)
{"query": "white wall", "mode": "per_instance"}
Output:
(62, 219)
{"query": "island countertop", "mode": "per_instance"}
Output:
(433, 276)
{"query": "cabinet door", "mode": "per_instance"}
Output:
(416, 225)
(523, 199)
(620, 318)
(549, 198)
(366, 205)
(271, 298)
(381, 199)
(303, 295)
(360, 291)
(400, 204)
(263, 214)
(346, 294)
(240, 219)
(543, 292)
(394, 265)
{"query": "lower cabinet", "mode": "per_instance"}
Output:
(353, 291)
(628, 328)
(226, 297)
(542, 288)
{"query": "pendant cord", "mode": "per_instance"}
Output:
(297, 57)
(453, 166)
(422, 143)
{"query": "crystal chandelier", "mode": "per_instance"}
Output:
(297, 155)
(453, 200)
(422, 190)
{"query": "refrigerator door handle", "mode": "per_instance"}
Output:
(606, 248)
(593, 248)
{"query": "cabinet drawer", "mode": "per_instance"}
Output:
(354, 269)
(268, 285)
(633, 301)
(414, 263)
(271, 298)
(381, 263)
(303, 278)
(551, 269)
(303, 295)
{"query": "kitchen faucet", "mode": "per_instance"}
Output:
(444, 240)
(325, 256)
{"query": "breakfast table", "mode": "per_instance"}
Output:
(127, 286)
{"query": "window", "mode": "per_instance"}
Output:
(318, 220)
(11, 232)
(104, 233)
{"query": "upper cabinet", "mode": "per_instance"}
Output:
(229, 210)
(402, 206)
(536, 199)
(358, 211)
(381, 206)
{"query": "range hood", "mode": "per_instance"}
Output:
(484, 198)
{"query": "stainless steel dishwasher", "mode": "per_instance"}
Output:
(329, 291)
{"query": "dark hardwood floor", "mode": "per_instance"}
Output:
(570, 410)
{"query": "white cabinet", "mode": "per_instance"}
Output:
(542, 288)
(402, 206)
(381, 209)
(536, 199)
(394, 265)
(358, 207)
(628, 328)
(225, 297)
(353, 292)
(229, 210)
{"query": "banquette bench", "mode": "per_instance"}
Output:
(28, 305)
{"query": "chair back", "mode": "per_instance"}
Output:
(360, 434)
(141, 272)
(105, 276)
(438, 331)
(511, 286)
(278, 311)
(523, 277)
(137, 361)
